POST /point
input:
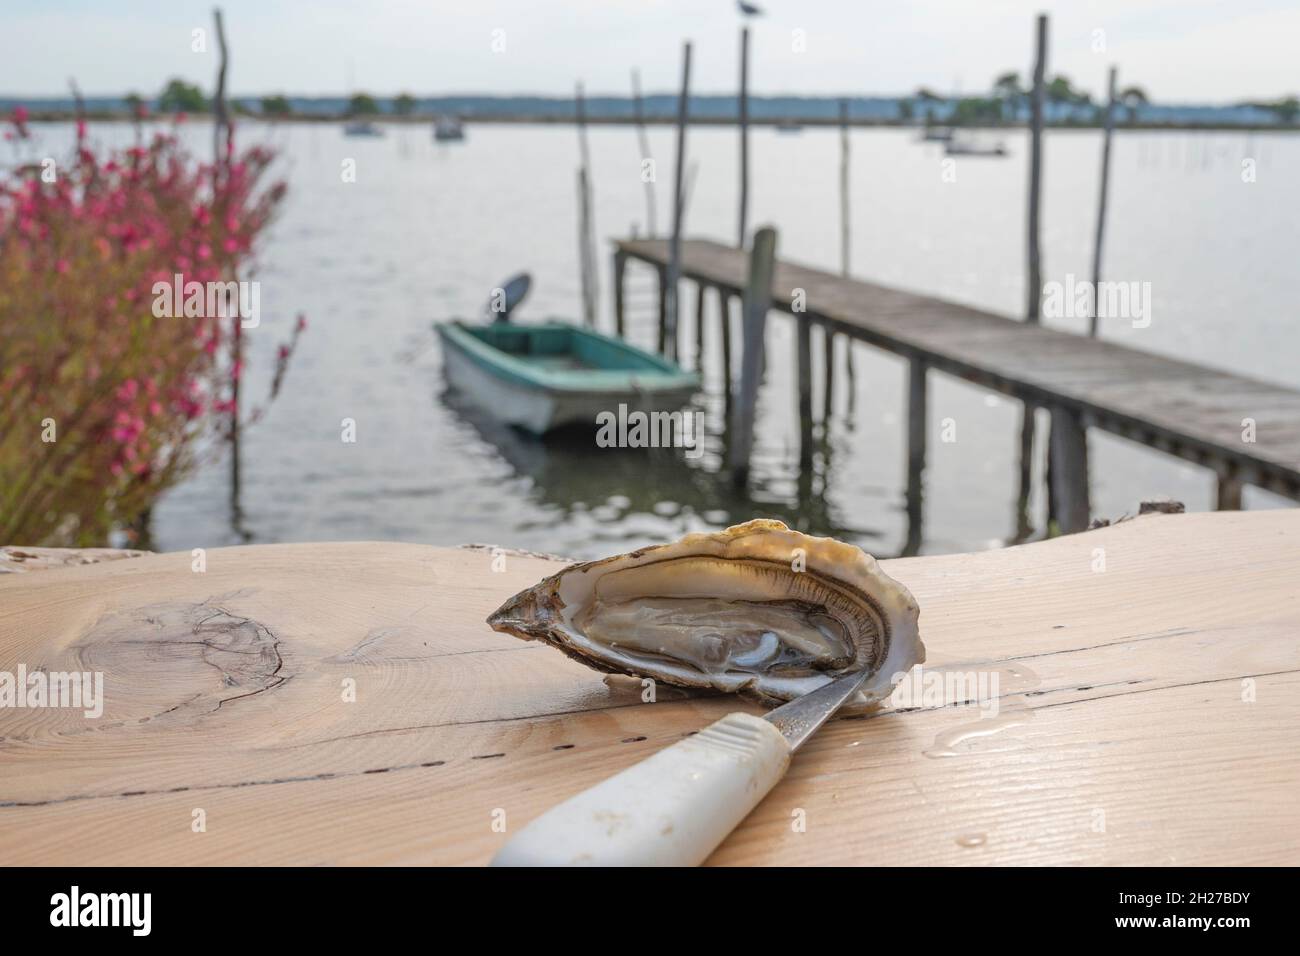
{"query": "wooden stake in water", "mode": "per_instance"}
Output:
(1035, 277)
(1109, 127)
(743, 118)
(1034, 283)
(844, 269)
(586, 239)
(585, 251)
(844, 188)
(679, 186)
(221, 115)
(643, 141)
(221, 134)
(620, 293)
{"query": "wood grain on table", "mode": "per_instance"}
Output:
(1149, 713)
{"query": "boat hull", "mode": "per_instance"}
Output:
(541, 407)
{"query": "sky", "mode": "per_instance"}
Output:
(1179, 51)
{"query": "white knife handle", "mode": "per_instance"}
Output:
(671, 809)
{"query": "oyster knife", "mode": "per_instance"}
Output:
(676, 806)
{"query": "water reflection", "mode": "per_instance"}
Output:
(569, 473)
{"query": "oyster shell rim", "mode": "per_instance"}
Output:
(537, 613)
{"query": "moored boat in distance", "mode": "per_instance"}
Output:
(362, 128)
(448, 129)
(936, 134)
(552, 375)
(964, 147)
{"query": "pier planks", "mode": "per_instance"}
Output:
(1189, 410)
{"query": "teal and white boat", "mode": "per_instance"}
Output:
(549, 375)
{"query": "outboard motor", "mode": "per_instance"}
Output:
(507, 297)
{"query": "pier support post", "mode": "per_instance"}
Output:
(1025, 466)
(828, 398)
(663, 310)
(724, 319)
(758, 299)
(803, 333)
(917, 416)
(1229, 491)
(1067, 476)
(620, 270)
(700, 289)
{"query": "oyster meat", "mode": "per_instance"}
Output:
(756, 609)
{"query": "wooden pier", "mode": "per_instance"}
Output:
(1246, 430)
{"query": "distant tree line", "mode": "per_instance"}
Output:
(1285, 109)
(178, 96)
(1009, 98)
(1007, 101)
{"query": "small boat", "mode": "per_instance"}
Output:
(362, 128)
(789, 126)
(551, 375)
(967, 148)
(448, 129)
(936, 134)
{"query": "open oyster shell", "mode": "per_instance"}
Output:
(756, 609)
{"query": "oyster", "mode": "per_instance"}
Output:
(756, 609)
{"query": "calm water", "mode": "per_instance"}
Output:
(426, 230)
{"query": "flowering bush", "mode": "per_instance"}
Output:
(101, 402)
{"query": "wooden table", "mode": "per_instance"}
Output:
(1149, 712)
